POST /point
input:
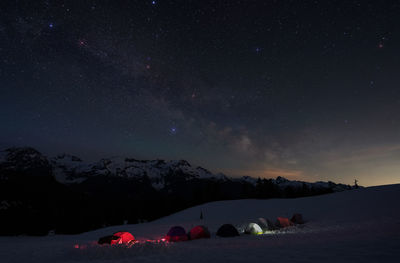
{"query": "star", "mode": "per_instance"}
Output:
(81, 42)
(258, 49)
(153, 2)
(51, 25)
(173, 130)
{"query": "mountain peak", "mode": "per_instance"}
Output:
(24, 158)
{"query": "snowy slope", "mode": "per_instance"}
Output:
(352, 226)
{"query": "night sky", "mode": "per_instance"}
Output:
(308, 90)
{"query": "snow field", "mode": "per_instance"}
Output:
(352, 226)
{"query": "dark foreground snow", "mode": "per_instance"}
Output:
(353, 226)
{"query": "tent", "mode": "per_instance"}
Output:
(262, 223)
(297, 219)
(227, 230)
(117, 238)
(175, 234)
(283, 222)
(198, 232)
(266, 224)
(253, 229)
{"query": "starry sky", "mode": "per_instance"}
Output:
(308, 90)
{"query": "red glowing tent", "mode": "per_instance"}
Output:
(124, 238)
(117, 238)
(198, 232)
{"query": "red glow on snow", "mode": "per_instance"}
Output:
(77, 246)
(155, 241)
(129, 241)
(176, 238)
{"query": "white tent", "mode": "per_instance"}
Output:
(253, 229)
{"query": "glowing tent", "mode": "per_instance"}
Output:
(253, 229)
(198, 232)
(117, 238)
(176, 234)
(227, 230)
(282, 222)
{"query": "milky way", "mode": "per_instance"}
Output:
(303, 89)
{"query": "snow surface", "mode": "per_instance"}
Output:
(352, 226)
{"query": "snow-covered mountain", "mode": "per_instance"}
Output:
(24, 159)
(69, 169)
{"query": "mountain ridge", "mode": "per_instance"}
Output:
(69, 169)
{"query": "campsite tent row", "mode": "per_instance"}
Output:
(175, 234)
(178, 233)
(263, 225)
